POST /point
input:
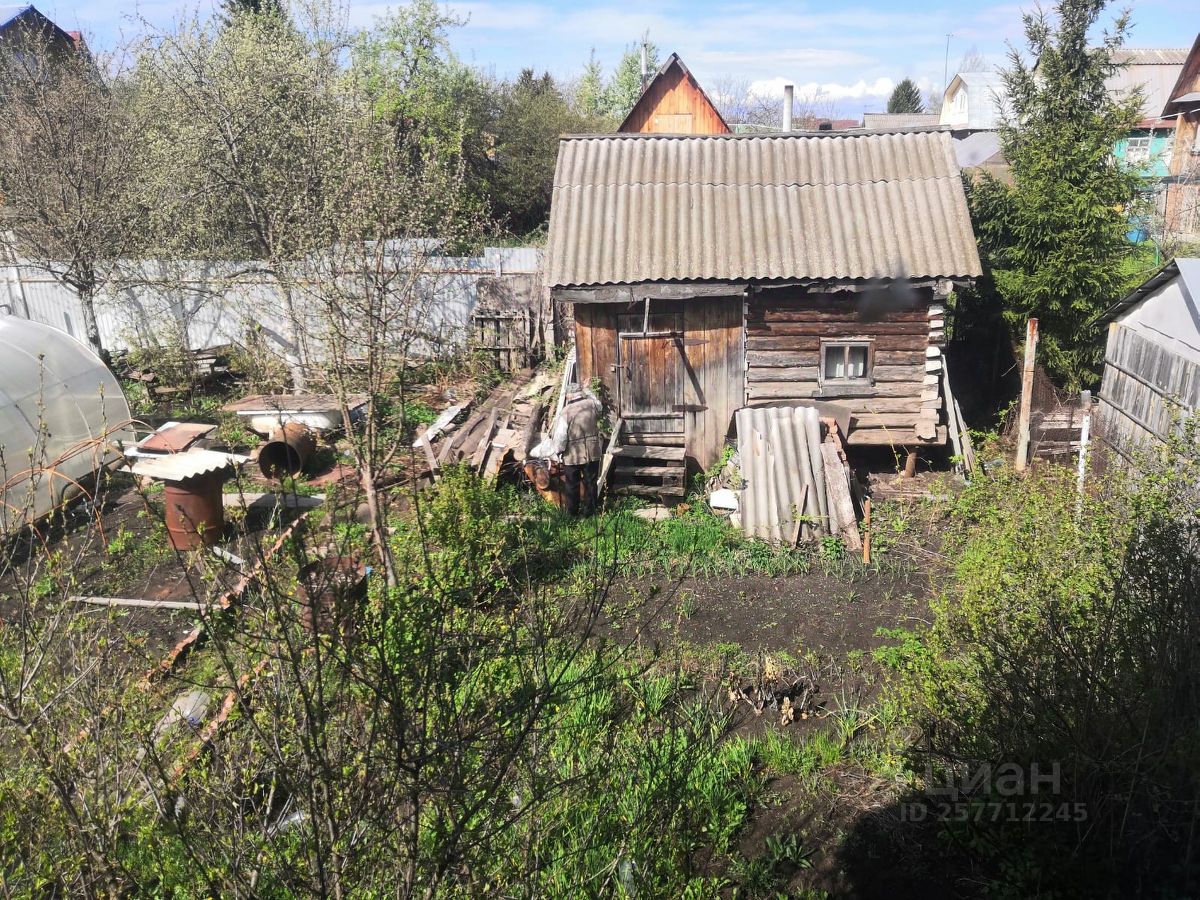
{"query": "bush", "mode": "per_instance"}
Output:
(1072, 639)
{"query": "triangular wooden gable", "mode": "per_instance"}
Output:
(674, 103)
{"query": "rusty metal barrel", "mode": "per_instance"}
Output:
(195, 514)
(287, 452)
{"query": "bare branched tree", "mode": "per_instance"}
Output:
(70, 166)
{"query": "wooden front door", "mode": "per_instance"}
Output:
(650, 372)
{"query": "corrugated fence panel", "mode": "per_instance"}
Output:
(221, 303)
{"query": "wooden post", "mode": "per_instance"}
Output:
(866, 531)
(1084, 438)
(910, 463)
(1031, 340)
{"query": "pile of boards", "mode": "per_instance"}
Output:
(797, 483)
(209, 365)
(496, 434)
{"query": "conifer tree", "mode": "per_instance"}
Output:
(1055, 239)
(906, 98)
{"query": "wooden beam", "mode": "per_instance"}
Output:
(191, 605)
(634, 293)
(1031, 341)
(606, 465)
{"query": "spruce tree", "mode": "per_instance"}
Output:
(905, 98)
(1055, 238)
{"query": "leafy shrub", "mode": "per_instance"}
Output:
(1069, 638)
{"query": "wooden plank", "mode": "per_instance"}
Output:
(502, 447)
(826, 329)
(453, 444)
(606, 463)
(836, 312)
(485, 442)
(837, 489)
(629, 451)
(434, 468)
(1031, 342)
(891, 437)
(624, 471)
(190, 605)
(882, 342)
(887, 397)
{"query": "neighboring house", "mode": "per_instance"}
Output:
(1154, 71)
(1182, 213)
(19, 23)
(1152, 361)
(974, 100)
(895, 121)
(710, 273)
(674, 103)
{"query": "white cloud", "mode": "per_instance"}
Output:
(825, 90)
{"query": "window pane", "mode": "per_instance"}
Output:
(858, 363)
(835, 362)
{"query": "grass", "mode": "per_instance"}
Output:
(782, 754)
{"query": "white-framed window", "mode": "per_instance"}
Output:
(1137, 151)
(847, 361)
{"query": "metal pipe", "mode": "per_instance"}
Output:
(287, 452)
(788, 100)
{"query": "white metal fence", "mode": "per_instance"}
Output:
(220, 303)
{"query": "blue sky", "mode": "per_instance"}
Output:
(849, 52)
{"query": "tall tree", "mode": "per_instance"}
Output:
(906, 98)
(625, 87)
(1055, 238)
(70, 165)
(589, 90)
(533, 112)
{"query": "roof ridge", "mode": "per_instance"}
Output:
(745, 184)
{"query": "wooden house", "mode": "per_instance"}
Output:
(707, 273)
(674, 103)
(1152, 360)
(1183, 181)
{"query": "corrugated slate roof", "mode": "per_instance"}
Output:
(1153, 56)
(632, 208)
(889, 121)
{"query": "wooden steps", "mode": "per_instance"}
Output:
(648, 470)
(647, 451)
(654, 468)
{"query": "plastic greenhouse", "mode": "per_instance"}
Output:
(61, 409)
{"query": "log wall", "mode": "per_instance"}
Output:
(784, 330)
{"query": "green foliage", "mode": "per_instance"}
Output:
(589, 90)
(625, 87)
(906, 98)
(1054, 239)
(784, 755)
(532, 112)
(233, 8)
(1067, 638)
(416, 84)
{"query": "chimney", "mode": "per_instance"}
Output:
(788, 93)
(645, 66)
